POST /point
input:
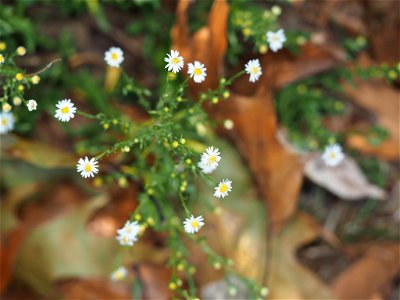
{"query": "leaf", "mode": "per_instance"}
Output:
(208, 44)
(289, 279)
(277, 171)
(383, 102)
(36, 153)
(92, 288)
(369, 274)
(346, 180)
(63, 248)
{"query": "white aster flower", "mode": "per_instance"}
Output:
(6, 122)
(276, 39)
(65, 110)
(174, 61)
(32, 104)
(209, 160)
(223, 188)
(333, 155)
(197, 71)
(128, 234)
(114, 57)
(119, 274)
(253, 68)
(193, 224)
(87, 167)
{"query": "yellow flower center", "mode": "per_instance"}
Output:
(254, 70)
(175, 60)
(88, 168)
(212, 159)
(275, 38)
(332, 155)
(119, 275)
(65, 110)
(223, 188)
(4, 122)
(1, 58)
(197, 71)
(114, 56)
(195, 224)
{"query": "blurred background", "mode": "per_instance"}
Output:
(304, 230)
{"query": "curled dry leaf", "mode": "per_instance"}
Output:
(346, 180)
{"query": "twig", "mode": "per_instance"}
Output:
(44, 69)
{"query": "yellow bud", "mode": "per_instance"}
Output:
(17, 101)
(21, 51)
(263, 49)
(180, 267)
(98, 182)
(217, 265)
(192, 270)
(126, 149)
(150, 221)
(228, 124)
(246, 31)
(215, 100)
(21, 88)
(179, 282)
(166, 109)
(392, 74)
(150, 191)
(114, 121)
(138, 217)
(175, 144)
(19, 76)
(122, 182)
(3, 46)
(301, 40)
(106, 126)
(226, 94)
(6, 107)
(35, 79)
(179, 99)
(182, 188)
(172, 286)
(2, 59)
(171, 76)
(276, 10)
(188, 161)
(264, 292)
(183, 141)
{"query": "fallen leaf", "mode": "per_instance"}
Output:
(61, 247)
(289, 279)
(368, 275)
(346, 180)
(36, 153)
(92, 288)
(386, 110)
